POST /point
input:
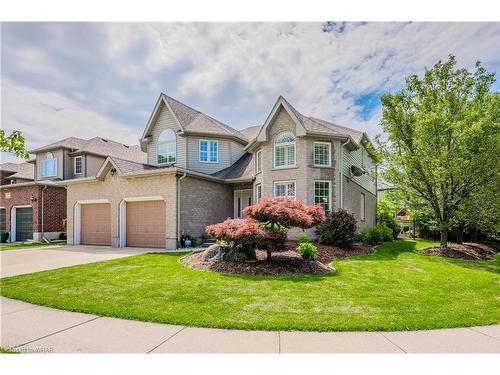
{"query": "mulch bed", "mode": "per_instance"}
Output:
(466, 250)
(285, 262)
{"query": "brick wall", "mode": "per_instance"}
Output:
(55, 205)
(55, 209)
(202, 203)
(114, 189)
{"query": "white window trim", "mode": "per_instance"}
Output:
(257, 192)
(329, 154)
(208, 151)
(54, 160)
(285, 182)
(158, 144)
(81, 165)
(330, 207)
(294, 143)
(258, 168)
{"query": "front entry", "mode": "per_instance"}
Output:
(242, 199)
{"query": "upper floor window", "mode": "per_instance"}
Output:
(322, 154)
(209, 151)
(78, 165)
(166, 147)
(258, 161)
(284, 189)
(48, 166)
(284, 150)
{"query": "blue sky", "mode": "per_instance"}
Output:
(102, 79)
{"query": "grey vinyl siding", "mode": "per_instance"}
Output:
(360, 159)
(352, 203)
(229, 153)
(165, 121)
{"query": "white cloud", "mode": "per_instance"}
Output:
(44, 117)
(299, 61)
(239, 68)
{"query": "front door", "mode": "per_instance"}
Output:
(242, 199)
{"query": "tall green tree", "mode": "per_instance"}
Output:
(443, 138)
(13, 143)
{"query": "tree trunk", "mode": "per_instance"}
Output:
(444, 237)
(460, 233)
(268, 254)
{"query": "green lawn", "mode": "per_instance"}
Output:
(393, 289)
(16, 246)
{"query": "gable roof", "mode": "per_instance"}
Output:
(309, 125)
(71, 143)
(106, 147)
(19, 170)
(191, 120)
(97, 146)
(251, 132)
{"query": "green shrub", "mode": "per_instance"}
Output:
(377, 234)
(387, 233)
(338, 229)
(372, 236)
(307, 250)
(303, 238)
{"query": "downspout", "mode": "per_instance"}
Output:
(342, 173)
(43, 214)
(179, 207)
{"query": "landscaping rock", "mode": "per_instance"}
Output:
(239, 254)
(211, 252)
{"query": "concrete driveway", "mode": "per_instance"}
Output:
(20, 261)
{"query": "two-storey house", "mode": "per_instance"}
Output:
(33, 206)
(200, 171)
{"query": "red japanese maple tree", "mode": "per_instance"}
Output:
(279, 214)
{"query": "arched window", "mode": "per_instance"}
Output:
(284, 150)
(166, 147)
(48, 166)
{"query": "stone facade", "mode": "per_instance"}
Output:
(54, 207)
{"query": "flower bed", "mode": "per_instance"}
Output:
(462, 251)
(285, 262)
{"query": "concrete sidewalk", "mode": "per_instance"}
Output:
(31, 328)
(21, 261)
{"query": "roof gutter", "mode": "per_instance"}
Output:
(179, 207)
(341, 172)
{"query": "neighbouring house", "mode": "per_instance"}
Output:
(200, 171)
(33, 206)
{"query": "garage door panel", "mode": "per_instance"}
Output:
(145, 224)
(95, 224)
(24, 223)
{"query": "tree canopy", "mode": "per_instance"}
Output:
(443, 138)
(13, 143)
